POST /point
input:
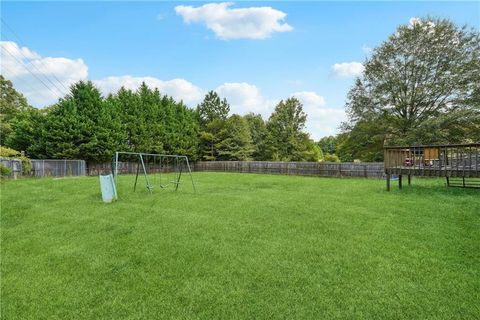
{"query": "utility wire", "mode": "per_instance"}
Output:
(22, 43)
(33, 74)
(17, 81)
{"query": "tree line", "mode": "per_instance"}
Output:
(85, 125)
(420, 86)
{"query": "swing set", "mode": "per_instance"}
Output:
(170, 167)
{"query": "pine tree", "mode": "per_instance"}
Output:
(212, 114)
(235, 141)
(211, 108)
(81, 126)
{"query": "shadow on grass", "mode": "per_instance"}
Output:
(431, 189)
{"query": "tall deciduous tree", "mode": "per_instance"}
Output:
(12, 104)
(259, 134)
(419, 86)
(286, 139)
(328, 144)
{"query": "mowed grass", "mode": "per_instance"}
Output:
(244, 246)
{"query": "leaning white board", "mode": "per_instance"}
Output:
(109, 191)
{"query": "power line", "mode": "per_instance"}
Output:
(33, 65)
(17, 81)
(33, 74)
(22, 43)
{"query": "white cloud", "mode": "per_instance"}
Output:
(240, 23)
(36, 77)
(310, 99)
(321, 120)
(244, 98)
(179, 89)
(41, 79)
(347, 69)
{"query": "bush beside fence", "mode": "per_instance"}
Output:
(11, 167)
(321, 169)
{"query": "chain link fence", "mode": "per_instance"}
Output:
(58, 168)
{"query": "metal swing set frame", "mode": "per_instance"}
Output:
(178, 164)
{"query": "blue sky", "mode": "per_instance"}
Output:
(254, 57)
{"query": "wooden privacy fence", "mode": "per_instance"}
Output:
(320, 169)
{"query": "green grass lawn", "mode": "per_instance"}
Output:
(244, 246)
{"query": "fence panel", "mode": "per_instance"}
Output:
(322, 169)
(58, 168)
